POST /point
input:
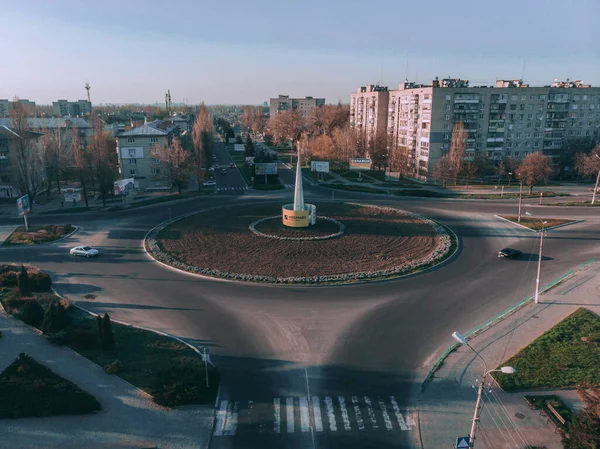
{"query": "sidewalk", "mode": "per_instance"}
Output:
(446, 406)
(129, 418)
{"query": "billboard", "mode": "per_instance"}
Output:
(249, 160)
(23, 205)
(312, 214)
(360, 164)
(321, 167)
(295, 218)
(71, 193)
(231, 140)
(268, 168)
(123, 186)
(238, 147)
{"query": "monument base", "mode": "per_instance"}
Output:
(299, 218)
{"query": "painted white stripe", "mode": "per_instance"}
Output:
(399, 416)
(386, 417)
(371, 412)
(410, 419)
(344, 413)
(277, 415)
(221, 414)
(289, 411)
(304, 416)
(316, 409)
(330, 414)
(359, 420)
(231, 424)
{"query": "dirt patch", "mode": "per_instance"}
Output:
(374, 240)
(276, 227)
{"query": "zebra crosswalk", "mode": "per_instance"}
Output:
(221, 189)
(290, 186)
(299, 414)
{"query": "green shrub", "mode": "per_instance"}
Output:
(23, 282)
(40, 282)
(56, 318)
(8, 279)
(83, 337)
(59, 339)
(108, 341)
(113, 368)
(179, 383)
(32, 313)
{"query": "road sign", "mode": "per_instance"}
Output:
(463, 442)
(360, 163)
(205, 354)
(23, 205)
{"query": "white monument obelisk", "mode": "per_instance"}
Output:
(298, 192)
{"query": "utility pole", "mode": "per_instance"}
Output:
(520, 200)
(478, 406)
(596, 186)
(539, 270)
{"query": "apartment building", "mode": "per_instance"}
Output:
(6, 106)
(134, 152)
(369, 110)
(8, 138)
(77, 108)
(303, 105)
(510, 118)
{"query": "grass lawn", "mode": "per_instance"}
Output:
(580, 203)
(542, 403)
(565, 356)
(315, 175)
(67, 210)
(28, 389)
(534, 222)
(38, 234)
(270, 186)
(496, 196)
(354, 176)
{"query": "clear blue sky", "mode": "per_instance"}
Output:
(247, 51)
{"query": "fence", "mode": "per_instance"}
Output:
(495, 319)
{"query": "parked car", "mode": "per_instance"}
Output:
(232, 165)
(209, 184)
(510, 253)
(211, 168)
(224, 171)
(85, 251)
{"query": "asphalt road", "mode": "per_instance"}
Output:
(231, 183)
(357, 352)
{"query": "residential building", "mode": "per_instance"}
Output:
(6, 106)
(134, 152)
(184, 122)
(369, 111)
(303, 105)
(77, 108)
(509, 119)
(8, 137)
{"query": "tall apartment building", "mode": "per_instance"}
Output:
(134, 152)
(61, 108)
(303, 105)
(6, 106)
(369, 110)
(508, 119)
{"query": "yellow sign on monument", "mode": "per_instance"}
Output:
(295, 218)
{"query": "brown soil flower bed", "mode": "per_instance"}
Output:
(374, 240)
(276, 227)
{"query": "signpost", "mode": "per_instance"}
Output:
(319, 167)
(239, 147)
(206, 358)
(266, 168)
(463, 442)
(24, 207)
(360, 164)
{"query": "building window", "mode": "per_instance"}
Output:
(532, 97)
(521, 107)
(447, 107)
(155, 160)
(132, 161)
(514, 97)
(523, 97)
(157, 171)
(132, 172)
(513, 107)
(131, 139)
(448, 97)
(153, 139)
(542, 98)
(446, 136)
(576, 97)
(446, 126)
(536, 144)
(447, 117)
(132, 152)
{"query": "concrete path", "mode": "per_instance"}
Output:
(129, 418)
(6, 231)
(447, 404)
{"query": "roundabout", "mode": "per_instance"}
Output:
(356, 242)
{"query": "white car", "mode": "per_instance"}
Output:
(211, 168)
(209, 183)
(85, 251)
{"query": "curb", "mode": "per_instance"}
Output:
(40, 244)
(416, 271)
(545, 229)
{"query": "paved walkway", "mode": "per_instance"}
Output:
(129, 418)
(447, 404)
(6, 231)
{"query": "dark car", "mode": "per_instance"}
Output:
(224, 171)
(509, 253)
(232, 165)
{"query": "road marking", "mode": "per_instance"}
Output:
(371, 412)
(277, 413)
(359, 420)
(316, 408)
(221, 413)
(344, 412)
(410, 420)
(403, 425)
(289, 410)
(330, 414)
(231, 424)
(304, 416)
(386, 417)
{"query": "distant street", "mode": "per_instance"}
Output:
(233, 182)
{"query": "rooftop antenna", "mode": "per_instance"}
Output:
(406, 70)
(523, 70)
(87, 88)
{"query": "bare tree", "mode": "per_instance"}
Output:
(80, 162)
(588, 165)
(323, 147)
(49, 147)
(442, 171)
(174, 160)
(26, 161)
(534, 169)
(344, 140)
(458, 146)
(103, 160)
(287, 126)
(203, 142)
(325, 119)
(583, 431)
(500, 171)
(377, 149)
(399, 159)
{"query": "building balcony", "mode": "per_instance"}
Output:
(495, 139)
(457, 100)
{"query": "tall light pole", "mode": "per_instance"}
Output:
(597, 179)
(509, 177)
(478, 405)
(520, 200)
(539, 269)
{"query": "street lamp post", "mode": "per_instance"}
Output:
(478, 405)
(597, 179)
(520, 200)
(509, 177)
(539, 269)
